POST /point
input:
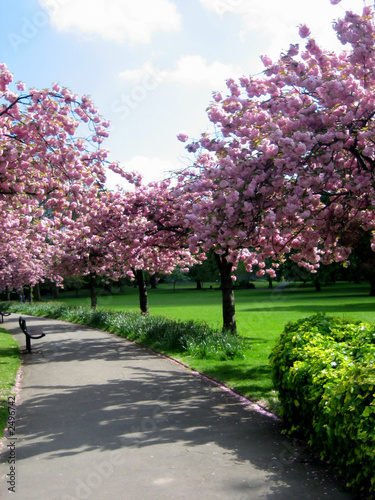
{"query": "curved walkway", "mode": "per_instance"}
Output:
(100, 417)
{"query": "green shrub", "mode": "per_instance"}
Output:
(213, 345)
(324, 371)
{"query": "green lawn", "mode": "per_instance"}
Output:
(9, 365)
(261, 315)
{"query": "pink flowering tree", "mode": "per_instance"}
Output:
(52, 164)
(292, 162)
(84, 246)
(165, 242)
(24, 256)
(125, 234)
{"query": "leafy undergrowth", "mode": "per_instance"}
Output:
(192, 338)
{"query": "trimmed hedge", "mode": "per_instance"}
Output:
(324, 371)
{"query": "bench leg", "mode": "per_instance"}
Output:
(28, 343)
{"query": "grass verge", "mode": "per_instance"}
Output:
(9, 364)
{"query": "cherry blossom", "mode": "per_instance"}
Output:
(124, 234)
(47, 170)
(291, 163)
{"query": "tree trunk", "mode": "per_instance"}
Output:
(229, 316)
(372, 287)
(153, 281)
(55, 291)
(143, 299)
(270, 283)
(199, 285)
(94, 297)
(318, 288)
(7, 294)
(30, 296)
(37, 296)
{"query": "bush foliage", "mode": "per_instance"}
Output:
(324, 371)
(194, 338)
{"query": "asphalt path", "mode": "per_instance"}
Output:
(97, 416)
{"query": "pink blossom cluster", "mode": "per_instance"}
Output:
(49, 174)
(124, 232)
(293, 165)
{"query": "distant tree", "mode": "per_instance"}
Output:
(362, 257)
(177, 276)
(153, 281)
(75, 283)
(36, 293)
(206, 271)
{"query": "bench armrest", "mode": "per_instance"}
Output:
(35, 334)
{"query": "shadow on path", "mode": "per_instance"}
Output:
(87, 395)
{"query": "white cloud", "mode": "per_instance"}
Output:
(194, 70)
(147, 72)
(151, 169)
(221, 6)
(277, 21)
(120, 20)
(190, 70)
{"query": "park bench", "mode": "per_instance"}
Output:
(32, 334)
(2, 314)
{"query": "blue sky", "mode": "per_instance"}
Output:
(150, 66)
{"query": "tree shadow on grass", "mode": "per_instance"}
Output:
(250, 341)
(343, 308)
(254, 383)
(9, 352)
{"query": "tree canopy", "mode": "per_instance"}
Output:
(291, 163)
